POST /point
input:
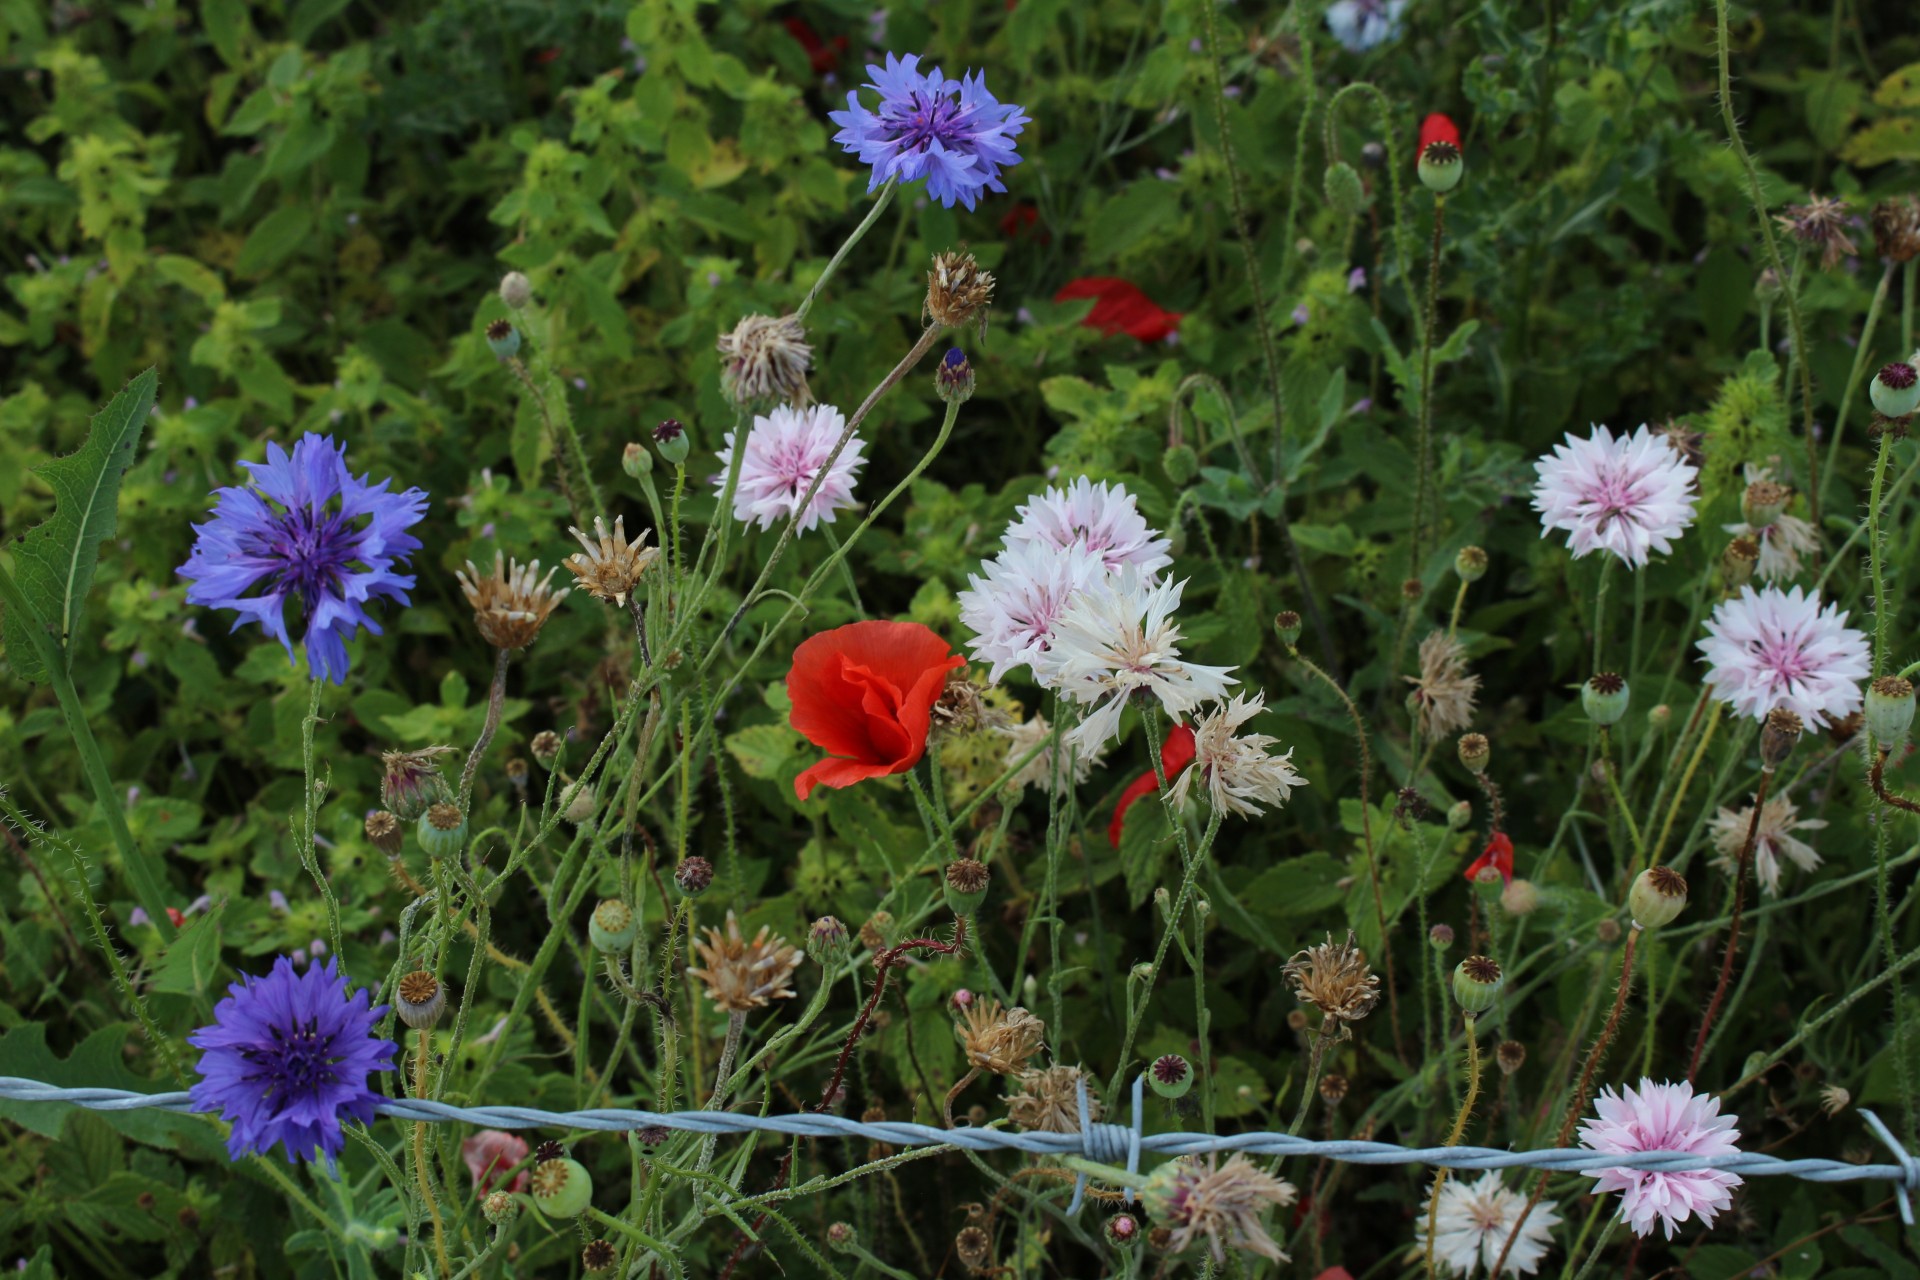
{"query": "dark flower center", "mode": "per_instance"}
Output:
(299, 1062)
(315, 551)
(931, 118)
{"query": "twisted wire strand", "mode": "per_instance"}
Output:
(1101, 1142)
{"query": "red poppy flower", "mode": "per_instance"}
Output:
(1121, 308)
(1437, 128)
(489, 1154)
(1499, 856)
(823, 54)
(1335, 1273)
(550, 54)
(1175, 754)
(1019, 218)
(865, 693)
(176, 915)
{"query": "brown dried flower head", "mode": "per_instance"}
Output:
(1334, 978)
(1738, 561)
(766, 358)
(876, 934)
(1680, 437)
(1223, 1202)
(997, 1039)
(1049, 1101)
(1511, 1055)
(610, 567)
(384, 833)
(958, 290)
(1443, 692)
(1896, 228)
(974, 1248)
(1820, 224)
(599, 1255)
(1333, 1088)
(411, 782)
(511, 604)
(1778, 736)
(962, 707)
(742, 976)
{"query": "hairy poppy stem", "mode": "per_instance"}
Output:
(496, 699)
(1744, 861)
(1453, 1140)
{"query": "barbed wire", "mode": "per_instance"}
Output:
(1114, 1144)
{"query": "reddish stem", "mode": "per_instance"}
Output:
(1733, 929)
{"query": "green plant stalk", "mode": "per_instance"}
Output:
(146, 874)
(1855, 377)
(1909, 276)
(1686, 780)
(307, 845)
(1453, 1140)
(1423, 447)
(880, 203)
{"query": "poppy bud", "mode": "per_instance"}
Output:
(1657, 898)
(828, 942)
(503, 339)
(1441, 167)
(1896, 390)
(1180, 463)
(1440, 937)
(842, 1237)
(1373, 155)
(1475, 751)
(1286, 624)
(1737, 562)
(1520, 898)
(966, 884)
(420, 999)
(384, 832)
(1763, 502)
(1604, 698)
(1889, 711)
(693, 876)
(578, 804)
(1660, 715)
(953, 377)
(1470, 563)
(562, 1187)
(516, 290)
(1476, 984)
(1459, 815)
(1511, 1055)
(671, 439)
(1767, 288)
(442, 831)
(635, 460)
(612, 927)
(1170, 1075)
(1345, 193)
(1777, 737)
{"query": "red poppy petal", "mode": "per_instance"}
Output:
(1140, 786)
(835, 772)
(1438, 128)
(1178, 751)
(1175, 754)
(1121, 307)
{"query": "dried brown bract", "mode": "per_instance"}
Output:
(766, 358)
(1049, 1101)
(999, 1040)
(610, 566)
(1223, 1202)
(1334, 978)
(511, 604)
(741, 975)
(1443, 692)
(1820, 224)
(958, 291)
(1896, 228)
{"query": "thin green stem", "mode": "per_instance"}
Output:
(1856, 376)
(308, 845)
(880, 203)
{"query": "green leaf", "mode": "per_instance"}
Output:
(1901, 88)
(192, 963)
(1894, 139)
(277, 235)
(53, 562)
(100, 1063)
(1725, 286)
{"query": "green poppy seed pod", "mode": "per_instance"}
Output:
(1441, 167)
(1470, 563)
(953, 377)
(1180, 463)
(1440, 937)
(672, 440)
(1763, 502)
(545, 748)
(1604, 698)
(1737, 562)
(635, 460)
(499, 1208)
(1476, 984)
(420, 999)
(503, 339)
(1657, 898)
(1896, 390)
(1890, 710)
(516, 290)
(828, 942)
(966, 884)
(561, 1187)
(1286, 624)
(1170, 1075)
(1459, 815)
(1345, 192)
(1475, 751)
(612, 927)
(442, 831)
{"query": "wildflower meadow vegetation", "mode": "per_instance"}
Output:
(675, 639)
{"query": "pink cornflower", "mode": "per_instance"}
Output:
(1630, 494)
(1775, 648)
(784, 451)
(1663, 1117)
(1103, 518)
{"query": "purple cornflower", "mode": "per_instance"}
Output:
(953, 133)
(306, 528)
(286, 1057)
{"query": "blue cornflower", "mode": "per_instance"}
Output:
(1360, 25)
(306, 528)
(286, 1057)
(953, 133)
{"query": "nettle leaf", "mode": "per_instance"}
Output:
(53, 562)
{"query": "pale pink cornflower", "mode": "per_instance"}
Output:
(784, 451)
(1772, 840)
(1474, 1220)
(1118, 641)
(1774, 648)
(1239, 771)
(1013, 608)
(1103, 518)
(1663, 1117)
(1628, 494)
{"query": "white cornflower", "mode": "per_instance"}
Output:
(1041, 770)
(1629, 495)
(1013, 609)
(1103, 518)
(1116, 640)
(1239, 773)
(1773, 840)
(1775, 648)
(1473, 1222)
(784, 452)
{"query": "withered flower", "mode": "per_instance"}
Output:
(962, 707)
(1049, 1101)
(974, 1247)
(742, 976)
(1820, 224)
(1443, 692)
(512, 603)
(999, 1040)
(1680, 437)
(1896, 228)
(411, 783)
(610, 568)
(767, 358)
(1334, 978)
(958, 290)
(1223, 1202)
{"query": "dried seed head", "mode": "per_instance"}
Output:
(974, 1248)
(1821, 224)
(1680, 437)
(611, 566)
(421, 999)
(958, 291)
(512, 603)
(599, 1255)
(1049, 1101)
(1896, 228)
(742, 976)
(877, 932)
(1763, 502)
(1223, 1202)
(1475, 751)
(997, 1039)
(1335, 979)
(766, 358)
(1333, 1088)
(1444, 690)
(962, 707)
(1778, 736)
(1511, 1055)
(1737, 562)
(384, 832)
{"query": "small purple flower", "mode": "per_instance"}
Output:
(287, 1056)
(953, 133)
(278, 901)
(137, 917)
(1301, 314)
(1356, 279)
(307, 529)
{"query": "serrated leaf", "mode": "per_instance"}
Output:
(1901, 88)
(53, 562)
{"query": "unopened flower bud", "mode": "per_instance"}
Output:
(672, 440)
(1286, 625)
(966, 885)
(612, 928)
(1476, 983)
(516, 290)
(1889, 709)
(842, 1237)
(1459, 815)
(1657, 898)
(385, 833)
(694, 875)
(1373, 155)
(828, 942)
(503, 339)
(1441, 167)
(1180, 463)
(1141, 972)
(516, 771)
(1660, 715)
(420, 999)
(1345, 192)
(1763, 502)
(499, 1208)
(635, 460)
(442, 831)
(1608, 930)
(1896, 390)
(1440, 937)
(1470, 563)
(1767, 288)
(562, 1187)
(410, 783)
(1520, 897)
(578, 804)
(1475, 751)
(1170, 1075)
(1122, 1230)
(1737, 562)
(1604, 698)
(1778, 736)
